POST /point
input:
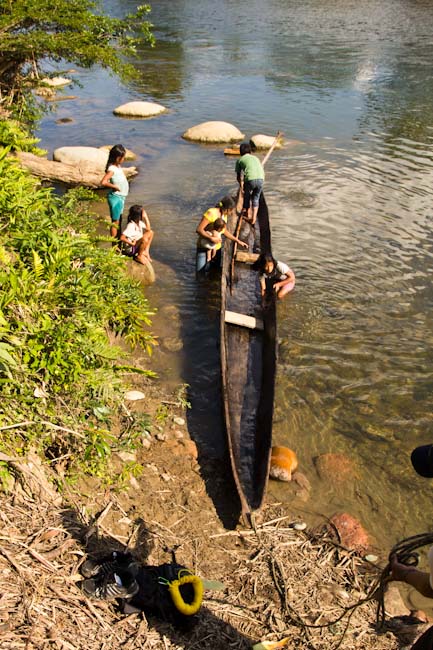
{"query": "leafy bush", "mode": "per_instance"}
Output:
(62, 298)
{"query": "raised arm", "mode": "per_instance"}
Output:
(145, 219)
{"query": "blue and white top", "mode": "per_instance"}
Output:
(118, 178)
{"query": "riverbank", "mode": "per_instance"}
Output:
(276, 580)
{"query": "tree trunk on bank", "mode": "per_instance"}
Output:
(83, 173)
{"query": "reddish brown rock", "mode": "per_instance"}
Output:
(335, 468)
(351, 532)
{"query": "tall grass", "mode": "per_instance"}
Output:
(61, 299)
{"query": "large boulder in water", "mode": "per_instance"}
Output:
(142, 272)
(129, 155)
(139, 109)
(80, 154)
(213, 132)
(261, 141)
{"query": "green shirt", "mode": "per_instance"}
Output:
(251, 167)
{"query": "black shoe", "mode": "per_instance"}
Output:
(114, 585)
(111, 577)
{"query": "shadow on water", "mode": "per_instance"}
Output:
(205, 632)
(205, 419)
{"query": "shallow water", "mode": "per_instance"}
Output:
(350, 203)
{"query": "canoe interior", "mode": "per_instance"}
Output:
(248, 364)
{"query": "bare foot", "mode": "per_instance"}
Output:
(142, 259)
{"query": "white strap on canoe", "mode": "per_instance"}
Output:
(243, 320)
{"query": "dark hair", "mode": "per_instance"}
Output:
(262, 260)
(219, 224)
(115, 152)
(244, 148)
(226, 203)
(135, 213)
(253, 146)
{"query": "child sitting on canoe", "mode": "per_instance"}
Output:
(137, 236)
(216, 229)
(274, 275)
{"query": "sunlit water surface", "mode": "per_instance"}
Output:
(350, 204)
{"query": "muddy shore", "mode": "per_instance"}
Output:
(276, 580)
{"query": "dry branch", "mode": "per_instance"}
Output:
(82, 173)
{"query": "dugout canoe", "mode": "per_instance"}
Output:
(248, 361)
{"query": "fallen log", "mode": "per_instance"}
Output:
(83, 173)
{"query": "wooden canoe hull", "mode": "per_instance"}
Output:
(248, 366)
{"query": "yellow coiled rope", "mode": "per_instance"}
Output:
(174, 588)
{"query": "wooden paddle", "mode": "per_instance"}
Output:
(235, 248)
(274, 144)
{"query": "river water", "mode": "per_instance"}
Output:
(352, 83)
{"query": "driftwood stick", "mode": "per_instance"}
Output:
(80, 173)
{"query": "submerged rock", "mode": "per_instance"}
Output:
(172, 344)
(139, 109)
(283, 462)
(352, 534)
(213, 132)
(335, 468)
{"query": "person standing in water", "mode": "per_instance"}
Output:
(115, 180)
(221, 211)
(217, 229)
(251, 169)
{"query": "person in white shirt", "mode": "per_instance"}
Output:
(115, 180)
(137, 236)
(276, 275)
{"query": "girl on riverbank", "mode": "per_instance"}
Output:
(137, 236)
(274, 275)
(115, 180)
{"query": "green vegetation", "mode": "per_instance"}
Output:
(64, 297)
(34, 34)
